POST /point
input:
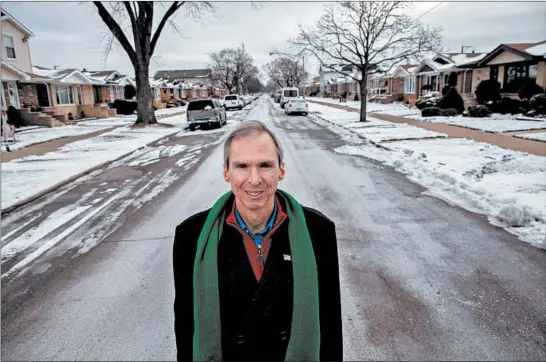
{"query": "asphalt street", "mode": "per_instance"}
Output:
(420, 279)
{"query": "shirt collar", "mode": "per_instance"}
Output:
(268, 226)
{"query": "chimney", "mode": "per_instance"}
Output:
(84, 70)
(55, 67)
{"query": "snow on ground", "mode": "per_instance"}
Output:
(43, 134)
(343, 117)
(71, 159)
(396, 132)
(167, 111)
(494, 124)
(395, 109)
(376, 130)
(533, 136)
(507, 186)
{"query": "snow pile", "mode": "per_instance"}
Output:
(71, 159)
(507, 186)
(541, 136)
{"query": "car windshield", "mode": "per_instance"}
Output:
(200, 105)
(231, 98)
(290, 93)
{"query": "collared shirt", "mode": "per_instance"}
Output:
(259, 236)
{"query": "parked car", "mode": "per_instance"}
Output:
(206, 112)
(296, 105)
(233, 101)
(287, 94)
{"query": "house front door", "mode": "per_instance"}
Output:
(98, 94)
(43, 98)
(13, 95)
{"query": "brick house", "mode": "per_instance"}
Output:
(514, 64)
(194, 76)
(15, 62)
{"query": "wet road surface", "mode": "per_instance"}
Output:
(420, 279)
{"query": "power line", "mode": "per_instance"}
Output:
(429, 10)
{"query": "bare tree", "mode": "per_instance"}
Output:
(372, 37)
(232, 66)
(223, 68)
(144, 40)
(286, 72)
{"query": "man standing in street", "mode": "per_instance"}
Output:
(257, 275)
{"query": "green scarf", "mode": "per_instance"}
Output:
(304, 344)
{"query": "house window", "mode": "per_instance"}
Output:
(9, 46)
(494, 72)
(64, 94)
(516, 75)
(80, 96)
(409, 85)
(432, 81)
(446, 79)
(468, 82)
(120, 92)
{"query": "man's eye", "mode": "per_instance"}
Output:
(241, 166)
(267, 165)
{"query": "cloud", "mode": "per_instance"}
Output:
(71, 34)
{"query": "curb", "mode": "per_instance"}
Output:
(73, 178)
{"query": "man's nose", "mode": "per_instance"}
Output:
(254, 177)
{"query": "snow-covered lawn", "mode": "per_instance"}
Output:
(396, 132)
(167, 111)
(33, 136)
(76, 157)
(494, 124)
(395, 109)
(343, 117)
(507, 186)
(541, 136)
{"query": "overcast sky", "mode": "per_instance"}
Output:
(71, 34)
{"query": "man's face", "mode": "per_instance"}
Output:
(254, 171)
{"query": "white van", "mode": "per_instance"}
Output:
(287, 94)
(233, 101)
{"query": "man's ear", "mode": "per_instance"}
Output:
(282, 171)
(226, 174)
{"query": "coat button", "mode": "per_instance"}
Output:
(240, 339)
(284, 335)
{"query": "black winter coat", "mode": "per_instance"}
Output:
(256, 315)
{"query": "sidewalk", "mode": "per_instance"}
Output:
(42, 148)
(501, 140)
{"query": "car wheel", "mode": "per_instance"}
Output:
(192, 127)
(241, 108)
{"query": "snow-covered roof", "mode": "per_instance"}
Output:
(69, 76)
(537, 50)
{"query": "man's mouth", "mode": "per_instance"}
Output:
(254, 193)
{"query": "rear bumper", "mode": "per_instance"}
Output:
(203, 121)
(297, 110)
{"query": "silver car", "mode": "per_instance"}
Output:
(206, 113)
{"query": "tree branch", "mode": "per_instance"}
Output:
(116, 30)
(172, 9)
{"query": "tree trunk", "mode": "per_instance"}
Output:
(145, 107)
(363, 96)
